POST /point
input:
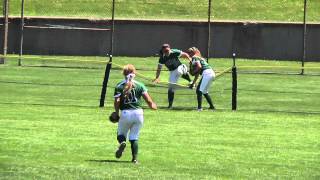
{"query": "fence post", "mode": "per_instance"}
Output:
(234, 83)
(209, 30)
(5, 30)
(304, 45)
(21, 32)
(108, 67)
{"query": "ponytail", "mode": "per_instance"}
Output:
(129, 84)
(195, 51)
(129, 72)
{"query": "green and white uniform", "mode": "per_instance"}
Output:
(207, 73)
(131, 112)
(176, 68)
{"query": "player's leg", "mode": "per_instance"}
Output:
(207, 79)
(173, 79)
(123, 128)
(134, 151)
(186, 76)
(182, 69)
(209, 100)
(199, 96)
(170, 97)
(134, 134)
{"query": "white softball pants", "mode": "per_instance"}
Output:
(175, 75)
(208, 76)
(130, 120)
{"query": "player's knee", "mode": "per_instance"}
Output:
(121, 138)
(170, 91)
(199, 93)
(133, 141)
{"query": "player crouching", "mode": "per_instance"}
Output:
(127, 96)
(199, 66)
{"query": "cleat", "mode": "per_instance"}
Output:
(199, 109)
(212, 108)
(134, 161)
(170, 107)
(120, 150)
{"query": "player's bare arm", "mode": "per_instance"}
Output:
(186, 56)
(196, 67)
(196, 77)
(117, 104)
(195, 71)
(149, 101)
(157, 80)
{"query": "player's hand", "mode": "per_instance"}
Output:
(156, 80)
(191, 85)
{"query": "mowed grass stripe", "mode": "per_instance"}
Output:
(219, 145)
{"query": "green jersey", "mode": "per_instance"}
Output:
(172, 60)
(133, 98)
(203, 62)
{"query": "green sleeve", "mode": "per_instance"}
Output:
(143, 88)
(117, 92)
(176, 52)
(161, 61)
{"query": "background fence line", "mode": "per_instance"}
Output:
(200, 10)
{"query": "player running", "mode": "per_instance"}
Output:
(127, 96)
(199, 66)
(170, 58)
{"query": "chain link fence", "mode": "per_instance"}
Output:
(92, 9)
(162, 10)
(245, 10)
(259, 10)
(236, 10)
(265, 10)
(42, 32)
(313, 13)
(2, 11)
(171, 11)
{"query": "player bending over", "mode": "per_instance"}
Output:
(170, 58)
(127, 96)
(199, 66)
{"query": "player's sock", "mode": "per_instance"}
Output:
(121, 138)
(186, 77)
(199, 98)
(209, 100)
(122, 146)
(170, 97)
(134, 149)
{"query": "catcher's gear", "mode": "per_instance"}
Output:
(114, 117)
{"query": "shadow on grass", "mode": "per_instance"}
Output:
(277, 73)
(107, 161)
(64, 67)
(174, 108)
(241, 110)
(49, 105)
(280, 111)
(48, 84)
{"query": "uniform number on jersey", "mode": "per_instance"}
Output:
(131, 97)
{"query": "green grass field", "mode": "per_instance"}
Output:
(51, 126)
(263, 10)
